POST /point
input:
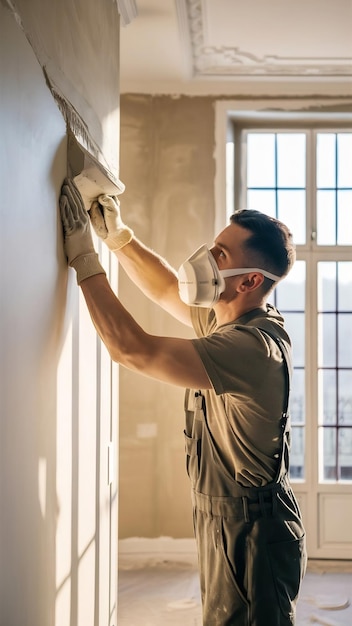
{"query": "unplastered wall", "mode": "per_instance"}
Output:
(167, 165)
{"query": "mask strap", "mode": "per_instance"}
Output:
(246, 270)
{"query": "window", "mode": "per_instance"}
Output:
(303, 176)
(335, 368)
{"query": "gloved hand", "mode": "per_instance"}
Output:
(78, 241)
(107, 223)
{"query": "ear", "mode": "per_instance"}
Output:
(251, 282)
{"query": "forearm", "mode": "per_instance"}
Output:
(148, 270)
(154, 277)
(120, 333)
(168, 359)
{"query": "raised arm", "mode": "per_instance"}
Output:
(148, 270)
(168, 359)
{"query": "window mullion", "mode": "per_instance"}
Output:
(311, 219)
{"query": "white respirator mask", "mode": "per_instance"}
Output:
(200, 282)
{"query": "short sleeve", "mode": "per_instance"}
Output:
(236, 359)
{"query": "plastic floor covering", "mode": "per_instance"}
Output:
(162, 588)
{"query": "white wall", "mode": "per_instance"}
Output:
(57, 513)
(33, 285)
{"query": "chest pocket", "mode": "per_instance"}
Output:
(194, 413)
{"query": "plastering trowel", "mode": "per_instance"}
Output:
(91, 177)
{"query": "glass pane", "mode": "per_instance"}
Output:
(326, 218)
(297, 453)
(326, 340)
(344, 159)
(297, 402)
(326, 160)
(344, 286)
(335, 385)
(264, 201)
(261, 160)
(327, 396)
(294, 323)
(345, 339)
(345, 453)
(290, 293)
(329, 455)
(326, 286)
(291, 160)
(292, 211)
(345, 397)
(344, 218)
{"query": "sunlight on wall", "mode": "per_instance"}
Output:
(64, 481)
(42, 467)
(86, 513)
(76, 568)
(88, 465)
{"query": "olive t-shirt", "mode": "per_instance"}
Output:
(247, 372)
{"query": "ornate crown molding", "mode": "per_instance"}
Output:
(128, 11)
(211, 61)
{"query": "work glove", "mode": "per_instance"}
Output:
(78, 240)
(106, 220)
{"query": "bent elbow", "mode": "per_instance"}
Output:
(126, 352)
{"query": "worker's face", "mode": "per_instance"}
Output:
(228, 252)
(228, 247)
(219, 273)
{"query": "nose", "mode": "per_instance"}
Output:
(215, 254)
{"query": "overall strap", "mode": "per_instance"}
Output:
(288, 364)
(285, 423)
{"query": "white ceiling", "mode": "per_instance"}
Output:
(231, 46)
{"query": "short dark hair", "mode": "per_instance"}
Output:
(270, 245)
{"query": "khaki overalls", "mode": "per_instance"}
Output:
(251, 543)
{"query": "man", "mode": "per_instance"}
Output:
(248, 527)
